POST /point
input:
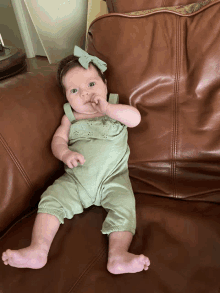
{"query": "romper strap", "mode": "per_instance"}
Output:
(69, 113)
(113, 99)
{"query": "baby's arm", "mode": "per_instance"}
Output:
(59, 143)
(60, 148)
(125, 114)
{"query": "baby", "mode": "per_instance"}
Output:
(92, 142)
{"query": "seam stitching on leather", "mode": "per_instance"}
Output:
(177, 96)
(173, 126)
(175, 106)
(15, 161)
(87, 270)
(2, 235)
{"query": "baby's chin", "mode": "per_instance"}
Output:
(89, 113)
(86, 112)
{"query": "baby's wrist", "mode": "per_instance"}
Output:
(63, 154)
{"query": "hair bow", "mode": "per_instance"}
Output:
(85, 59)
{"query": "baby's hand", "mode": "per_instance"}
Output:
(71, 158)
(99, 104)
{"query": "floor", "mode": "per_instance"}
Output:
(39, 62)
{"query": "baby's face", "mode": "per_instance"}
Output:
(80, 85)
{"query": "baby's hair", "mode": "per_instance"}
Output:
(68, 63)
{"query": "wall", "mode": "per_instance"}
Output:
(60, 24)
(36, 43)
(59, 27)
(96, 8)
(8, 25)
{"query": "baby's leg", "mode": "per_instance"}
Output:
(118, 199)
(35, 255)
(120, 261)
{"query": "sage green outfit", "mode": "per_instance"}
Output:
(103, 180)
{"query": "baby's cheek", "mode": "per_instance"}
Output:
(102, 92)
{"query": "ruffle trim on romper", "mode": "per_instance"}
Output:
(60, 215)
(121, 228)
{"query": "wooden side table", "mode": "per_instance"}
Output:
(12, 62)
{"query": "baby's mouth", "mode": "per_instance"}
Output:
(88, 102)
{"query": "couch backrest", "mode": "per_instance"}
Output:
(166, 63)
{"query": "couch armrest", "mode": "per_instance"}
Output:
(31, 106)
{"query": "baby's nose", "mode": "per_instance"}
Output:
(84, 92)
(85, 95)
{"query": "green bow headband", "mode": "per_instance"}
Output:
(85, 59)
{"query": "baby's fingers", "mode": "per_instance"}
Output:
(71, 164)
(95, 99)
(81, 159)
(74, 160)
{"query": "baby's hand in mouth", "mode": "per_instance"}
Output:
(99, 103)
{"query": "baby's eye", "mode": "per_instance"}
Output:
(91, 83)
(73, 91)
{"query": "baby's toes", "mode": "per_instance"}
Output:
(5, 258)
(142, 259)
(6, 262)
(146, 263)
(146, 266)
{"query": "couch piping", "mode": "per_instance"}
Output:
(87, 270)
(182, 10)
(15, 161)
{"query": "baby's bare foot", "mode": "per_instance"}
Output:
(29, 257)
(127, 263)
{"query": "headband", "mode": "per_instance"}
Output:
(85, 59)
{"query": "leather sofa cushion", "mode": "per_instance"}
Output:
(167, 65)
(181, 238)
(121, 6)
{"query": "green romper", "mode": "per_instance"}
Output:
(103, 180)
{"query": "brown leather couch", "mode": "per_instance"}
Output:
(166, 63)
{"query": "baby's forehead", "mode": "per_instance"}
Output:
(80, 74)
(91, 71)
